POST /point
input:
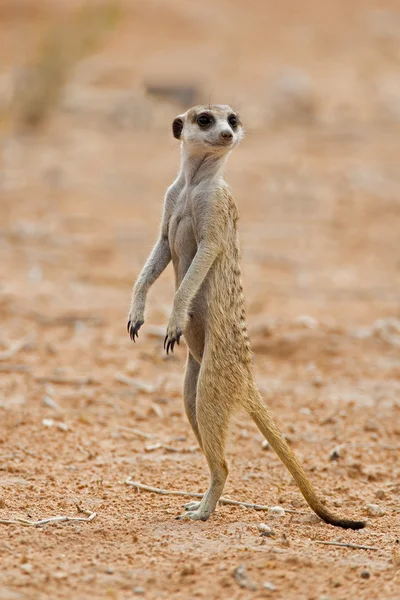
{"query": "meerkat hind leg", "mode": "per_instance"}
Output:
(213, 420)
(190, 394)
(189, 397)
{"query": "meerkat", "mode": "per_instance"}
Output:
(199, 234)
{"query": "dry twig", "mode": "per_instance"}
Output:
(62, 380)
(15, 368)
(27, 523)
(344, 545)
(142, 386)
(148, 488)
(137, 432)
(14, 348)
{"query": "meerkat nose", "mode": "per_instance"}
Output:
(226, 135)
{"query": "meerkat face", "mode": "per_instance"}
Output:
(215, 128)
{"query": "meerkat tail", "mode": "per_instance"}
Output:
(270, 431)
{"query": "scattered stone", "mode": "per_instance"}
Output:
(307, 322)
(317, 381)
(373, 510)
(336, 453)
(265, 445)
(304, 410)
(153, 447)
(138, 590)
(59, 424)
(157, 410)
(50, 403)
(371, 425)
(269, 586)
(380, 494)
(365, 574)
(242, 579)
(265, 529)
(109, 571)
(276, 511)
(60, 575)
(62, 426)
(188, 570)
(27, 567)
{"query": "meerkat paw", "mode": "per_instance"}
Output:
(194, 515)
(192, 505)
(133, 327)
(174, 333)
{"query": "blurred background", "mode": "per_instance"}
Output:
(88, 92)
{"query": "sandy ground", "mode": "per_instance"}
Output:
(317, 182)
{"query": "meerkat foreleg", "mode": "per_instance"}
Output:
(195, 275)
(156, 263)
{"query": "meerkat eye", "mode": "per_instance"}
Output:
(204, 120)
(233, 122)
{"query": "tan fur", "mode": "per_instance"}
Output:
(199, 235)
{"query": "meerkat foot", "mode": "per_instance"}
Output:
(192, 506)
(195, 515)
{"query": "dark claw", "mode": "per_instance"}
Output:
(134, 329)
(170, 344)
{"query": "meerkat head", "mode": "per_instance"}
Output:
(215, 128)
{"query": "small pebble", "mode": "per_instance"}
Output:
(27, 567)
(269, 586)
(138, 590)
(380, 494)
(371, 425)
(365, 574)
(373, 510)
(265, 445)
(276, 511)
(47, 401)
(307, 321)
(264, 528)
(109, 571)
(336, 452)
(317, 381)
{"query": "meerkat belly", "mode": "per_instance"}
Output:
(183, 246)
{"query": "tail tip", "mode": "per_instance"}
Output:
(347, 523)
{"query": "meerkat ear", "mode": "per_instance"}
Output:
(177, 126)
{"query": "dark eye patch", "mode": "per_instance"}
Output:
(204, 120)
(233, 121)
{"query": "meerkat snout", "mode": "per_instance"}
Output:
(226, 136)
